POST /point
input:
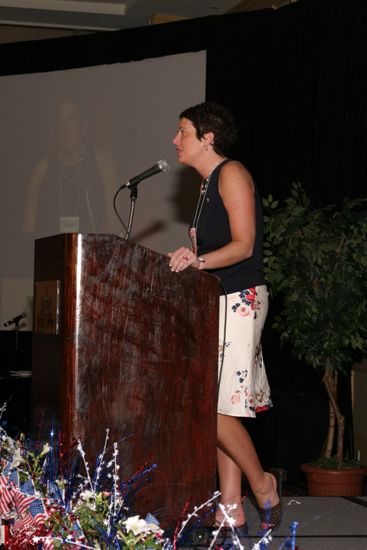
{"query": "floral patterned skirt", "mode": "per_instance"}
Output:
(243, 384)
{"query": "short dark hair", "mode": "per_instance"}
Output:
(211, 116)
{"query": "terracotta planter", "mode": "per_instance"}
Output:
(327, 482)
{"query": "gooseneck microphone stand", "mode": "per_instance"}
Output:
(160, 166)
(133, 199)
(15, 321)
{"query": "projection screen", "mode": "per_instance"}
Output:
(71, 138)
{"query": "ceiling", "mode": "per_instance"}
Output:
(118, 14)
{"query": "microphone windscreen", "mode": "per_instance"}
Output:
(163, 165)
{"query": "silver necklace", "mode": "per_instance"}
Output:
(199, 207)
(203, 191)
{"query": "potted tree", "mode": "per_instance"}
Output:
(316, 263)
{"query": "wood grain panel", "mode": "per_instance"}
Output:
(137, 353)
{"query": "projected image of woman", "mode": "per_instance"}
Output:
(69, 188)
(226, 241)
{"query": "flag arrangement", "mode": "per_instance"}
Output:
(48, 504)
(42, 508)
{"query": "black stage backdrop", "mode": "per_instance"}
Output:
(296, 79)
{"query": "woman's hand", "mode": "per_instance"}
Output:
(182, 258)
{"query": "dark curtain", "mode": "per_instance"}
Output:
(296, 79)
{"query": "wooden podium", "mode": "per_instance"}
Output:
(121, 342)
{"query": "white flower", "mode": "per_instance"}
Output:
(87, 496)
(46, 449)
(139, 526)
(17, 458)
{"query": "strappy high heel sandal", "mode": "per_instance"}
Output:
(271, 517)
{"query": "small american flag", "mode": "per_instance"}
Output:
(20, 503)
(7, 489)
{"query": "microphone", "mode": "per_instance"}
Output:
(15, 320)
(160, 166)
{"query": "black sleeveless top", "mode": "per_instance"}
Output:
(213, 232)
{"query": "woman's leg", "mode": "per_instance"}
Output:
(230, 485)
(242, 373)
(236, 443)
